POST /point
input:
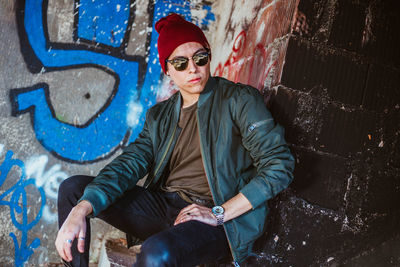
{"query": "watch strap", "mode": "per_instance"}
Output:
(220, 219)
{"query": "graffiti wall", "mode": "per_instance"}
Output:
(76, 80)
(254, 37)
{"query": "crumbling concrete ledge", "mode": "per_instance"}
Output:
(116, 253)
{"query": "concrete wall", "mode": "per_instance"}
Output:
(339, 101)
(78, 76)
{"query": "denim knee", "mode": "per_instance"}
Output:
(156, 251)
(66, 185)
(72, 188)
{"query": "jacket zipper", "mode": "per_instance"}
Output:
(163, 156)
(253, 126)
(236, 264)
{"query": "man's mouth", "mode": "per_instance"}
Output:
(195, 80)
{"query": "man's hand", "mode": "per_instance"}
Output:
(234, 207)
(73, 227)
(198, 213)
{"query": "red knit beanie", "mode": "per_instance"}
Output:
(173, 31)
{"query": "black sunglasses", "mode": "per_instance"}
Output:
(181, 63)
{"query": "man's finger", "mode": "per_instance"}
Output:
(180, 218)
(67, 249)
(81, 244)
(60, 247)
(187, 211)
(81, 240)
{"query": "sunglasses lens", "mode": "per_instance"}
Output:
(180, 64)
(200, 59)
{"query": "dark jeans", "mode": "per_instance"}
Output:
(149, 216)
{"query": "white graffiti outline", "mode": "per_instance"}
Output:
(49, 180)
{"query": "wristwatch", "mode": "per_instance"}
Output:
(218, 212)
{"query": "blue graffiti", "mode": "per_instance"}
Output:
(17, 193)
(209, 17)
(105, 22)
(102, 23)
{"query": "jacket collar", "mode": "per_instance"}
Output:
(177, 100)
(207, 91)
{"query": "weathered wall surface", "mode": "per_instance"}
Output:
(339, 101)
(77, 77)
(76, 80)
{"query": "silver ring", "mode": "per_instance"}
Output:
(81, 238)
(69, 241)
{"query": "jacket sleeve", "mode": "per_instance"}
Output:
(122, 173)
(264, 139)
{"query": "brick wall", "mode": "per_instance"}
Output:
(339, 100)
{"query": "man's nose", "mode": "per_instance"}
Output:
(192, 66)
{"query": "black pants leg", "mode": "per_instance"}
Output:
(149, 216)
(69, 192)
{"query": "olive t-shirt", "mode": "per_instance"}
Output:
(187, 175)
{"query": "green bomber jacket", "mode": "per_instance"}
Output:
(243, 150)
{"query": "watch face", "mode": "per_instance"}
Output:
(218, 210)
